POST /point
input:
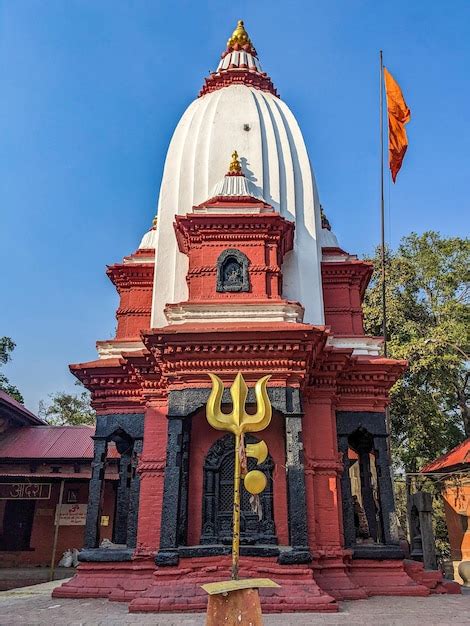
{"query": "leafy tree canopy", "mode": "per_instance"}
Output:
(7, 346)
(428, 323)
(69, 409)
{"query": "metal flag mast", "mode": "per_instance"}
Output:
(382, 209)
(388, 424)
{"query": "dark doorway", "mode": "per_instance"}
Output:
(218, 498)
(17, 524)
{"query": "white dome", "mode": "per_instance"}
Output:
(149, 240)
(328, 239)
(274, 159)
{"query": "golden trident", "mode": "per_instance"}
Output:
(240, 422)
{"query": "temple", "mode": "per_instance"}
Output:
(241, 273)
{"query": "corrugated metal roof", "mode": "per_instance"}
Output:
(460, 455)
(17, 410)
(33, 476)
(50, 442)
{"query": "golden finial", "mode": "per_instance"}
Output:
(235, 167)
(239, 36)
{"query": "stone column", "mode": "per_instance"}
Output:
(296, 500)
(151, 467)
(92, 527)
(349, 528)
(168, 554)
(122, 499)
(367, 493)
(134, 490)
(423, 503)
(387, 499)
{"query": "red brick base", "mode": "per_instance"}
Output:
(120, 582)
(303, 588)
(179, 588)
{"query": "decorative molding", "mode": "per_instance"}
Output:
(363, 345)
(219, 80)
(235, 313)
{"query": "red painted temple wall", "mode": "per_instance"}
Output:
(151, 467)
(321, 468)
(343, 285)
(42, 535)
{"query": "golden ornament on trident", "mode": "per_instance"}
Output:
(240, 422)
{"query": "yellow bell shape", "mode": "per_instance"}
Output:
(255, 482)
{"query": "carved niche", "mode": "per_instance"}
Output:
(232, 271)
(218, 498)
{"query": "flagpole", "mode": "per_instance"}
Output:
(382, 209)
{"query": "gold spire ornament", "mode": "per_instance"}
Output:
(240, 422)
(239, 36)
(235, 166)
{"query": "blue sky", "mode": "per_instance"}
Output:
(92, 91)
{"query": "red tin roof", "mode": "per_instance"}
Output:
(13, 408)
(50, 442)
(460, 455)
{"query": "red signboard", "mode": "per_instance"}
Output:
(25, 491)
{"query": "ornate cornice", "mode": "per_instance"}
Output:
(131, 275)
(193, 229)
(110, 385)
(233, 76)
(347, 272)
(186, 355)
(207, 270)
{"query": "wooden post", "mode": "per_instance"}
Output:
(56, 529)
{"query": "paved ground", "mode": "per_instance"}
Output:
(34, 605)
(12, 577)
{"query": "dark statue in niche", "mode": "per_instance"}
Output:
(232, 271)
(218, 498)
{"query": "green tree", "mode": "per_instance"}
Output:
(69, 409)
(428, 323)
(7, 346)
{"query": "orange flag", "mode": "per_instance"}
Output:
(398, 115)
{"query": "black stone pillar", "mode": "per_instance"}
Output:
(134, 492)
(92, 527)
(368, 501)
(173, 507)
(296, 498)
(349, 528)
(387, 499)
(122, 499)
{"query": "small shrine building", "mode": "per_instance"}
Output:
(242, 273)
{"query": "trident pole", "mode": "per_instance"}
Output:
(236, 510)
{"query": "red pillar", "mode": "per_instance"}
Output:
(152, 470)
